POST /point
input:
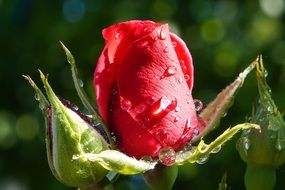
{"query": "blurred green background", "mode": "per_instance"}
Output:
(223, 37)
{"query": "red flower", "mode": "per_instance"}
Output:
(143, 82)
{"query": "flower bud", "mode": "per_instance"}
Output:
(267, 146)
(70, 133)
(263, 150)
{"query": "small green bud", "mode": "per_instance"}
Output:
(71, 133)
(264, 150)
(267, 146)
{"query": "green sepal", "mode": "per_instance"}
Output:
(214, 111)
(116, 161)
(68, 134)
(82, 95)
(202, 151)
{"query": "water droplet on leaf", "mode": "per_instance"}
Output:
(37, 96)
(167, 156)
(80, 82)
(198, 105)
(216, 149)
(278, 145)
(203, 160)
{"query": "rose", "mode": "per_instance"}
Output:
(143, 82)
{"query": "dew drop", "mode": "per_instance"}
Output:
(41, 106)
(196, 132)
(174, 44)
(80, 82)
(147, 158)
(162, 34)
(198, 105)
(180, 80)
(163, 105)
(176, 119)
(216, 149)
(278, 146)
(144, 44)
(177, 109)
(125, 104)
(117, 35)
(203, 160)
(155, 38)
(186, 77)
(246, 143)
(165, 50)
(167, 156)
(169, 71)
(37, 96)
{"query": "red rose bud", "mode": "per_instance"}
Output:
(71, 133)
(143, 82)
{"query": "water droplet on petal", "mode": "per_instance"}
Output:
(163, 106)
(165, 50)
(125, 104)
(167, 156)
(203, 160)
(177, 109)
(169, 71)
(174, 44)
(198, 105)
(196, 131)
(144, 44)
(186, 77)
(216, 149)
(176, 119)
(147, 158)
(117, 35)
(180, 80)
(162, 34)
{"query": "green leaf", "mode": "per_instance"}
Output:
(116, 161)
(213, 113)
(203, 150)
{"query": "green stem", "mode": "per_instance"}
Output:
(260, 177)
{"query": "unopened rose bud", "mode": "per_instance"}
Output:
(263, 150)
(71, 133)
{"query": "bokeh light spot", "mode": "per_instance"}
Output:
(7, 132)
(73, 10)
(212, 31)
(272, 8)
(27, 127)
